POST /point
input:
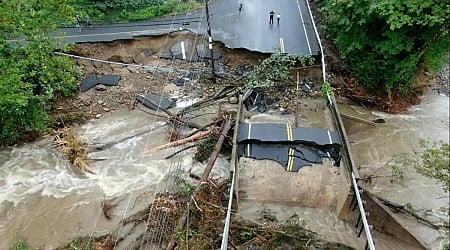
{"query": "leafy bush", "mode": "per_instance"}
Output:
(30, 75)
(20, 244)
(385, 41)
(275, 68)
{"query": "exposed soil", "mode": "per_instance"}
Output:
(136, 81)
(98, 101)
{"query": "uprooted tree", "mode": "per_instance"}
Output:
(384, 42)
(275, 68)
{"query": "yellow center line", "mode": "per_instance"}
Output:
(290, 159)
(291, 152)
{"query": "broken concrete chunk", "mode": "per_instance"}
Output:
(307, 86)
(100, 87)
(181, 81)
(88, 83)
(109, 80)
(153, 101)
(142, 57)
(181, 50)
(240, 70)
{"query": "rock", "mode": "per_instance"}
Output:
(282, 109)
(116, 58)
(100, 102)
(98, 116)
(233, 100)
(106, 109)
(100, 87)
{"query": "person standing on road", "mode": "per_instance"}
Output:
(78, 23)
(271, 14)
(240, 8)
(88, 22)
(278, 18)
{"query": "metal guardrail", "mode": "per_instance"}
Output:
(233, 176)
(346, 149)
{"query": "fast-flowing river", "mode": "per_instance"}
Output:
(374, 148)
(47, 201)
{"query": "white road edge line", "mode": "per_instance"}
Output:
(329, 137)
(183, 50)
(282, 45)
(304, 28)
(248, 137)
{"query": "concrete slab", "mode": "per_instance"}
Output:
(265, 181)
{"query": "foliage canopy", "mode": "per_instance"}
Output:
(385, 41)
(110, 11)
(30, 75)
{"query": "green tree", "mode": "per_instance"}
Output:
(107, 11)
(30, 75)
(432, 160)
(385, 41)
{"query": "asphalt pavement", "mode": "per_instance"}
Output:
(107, 33)
(248, 28)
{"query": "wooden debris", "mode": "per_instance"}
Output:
(183, 220)
(182, 141)
(73, 147)
(354, 118)
(107, 207)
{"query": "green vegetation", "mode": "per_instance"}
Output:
(432, 160)
(386, 41)
(326, 90)
(205, 148)
(275, 68)
(31, 77)
(112, 11)
(20, 244)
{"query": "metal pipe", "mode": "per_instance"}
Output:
(226, 227)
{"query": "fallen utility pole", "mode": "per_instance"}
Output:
(183, 220)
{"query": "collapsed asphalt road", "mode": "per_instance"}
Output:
(248, 28)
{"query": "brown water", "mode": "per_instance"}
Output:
(373, 147)
(48, 202)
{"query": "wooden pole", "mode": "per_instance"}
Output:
(203, 179)
(216, 151)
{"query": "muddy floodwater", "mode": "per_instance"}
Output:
(374, 147)
(47, 201)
